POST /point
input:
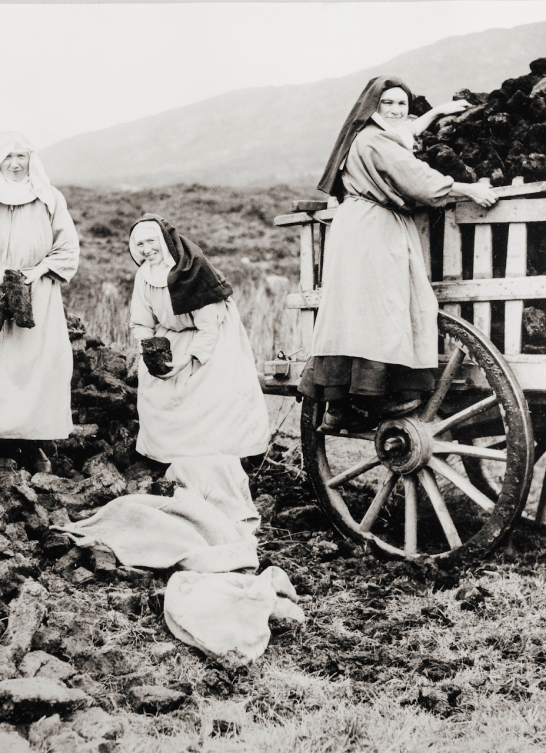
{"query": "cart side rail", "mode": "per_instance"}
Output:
(519, 205)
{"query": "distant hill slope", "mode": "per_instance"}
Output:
(271, 135)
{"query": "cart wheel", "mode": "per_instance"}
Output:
(403, 486)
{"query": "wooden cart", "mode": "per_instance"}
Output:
(451, 479)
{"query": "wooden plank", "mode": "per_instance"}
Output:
(453, 256)
(303, 218)
(497, 289)
(516, 266)
(483, 269)
(324, 232)
(516, 189)
(422, 222)
(306, 284)
(410, 528)
(301, 215)
(309, 300)
(308, 205)
(513, 310)
(507, 210)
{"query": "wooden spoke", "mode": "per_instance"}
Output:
(500, 444)
(475, 451)
(462, 483)
(379, 500)
(435, 495)
(410, 536)
(449, 374)
(351, 473)
(464, 415)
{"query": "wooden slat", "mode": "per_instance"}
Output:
(308, 205)
(453, 256)
(410, 528)
(518, 188)
(507, 210)
(422, 223)
(516, 266)
(306, 283)
(303, 218)
(483, 270)
(302, 207)
(497, 289)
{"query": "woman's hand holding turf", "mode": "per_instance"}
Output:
(176, 367)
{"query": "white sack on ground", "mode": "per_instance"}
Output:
(160, 532)
(221, 480)
(226, 614)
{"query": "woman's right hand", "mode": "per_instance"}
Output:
(176, 368)
(479, 193)
(482, 194)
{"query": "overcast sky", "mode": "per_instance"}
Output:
(68, 69)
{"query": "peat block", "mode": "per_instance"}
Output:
(16, 299)
(538, 67)
(419, 106)
(154, 699)
(26, 700)
(499, 137)
(534, 323)
(156, 352)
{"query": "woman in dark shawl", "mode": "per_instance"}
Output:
(209, 405)
(375, 337)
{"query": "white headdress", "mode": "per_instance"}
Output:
(155, 274)
(37, 185)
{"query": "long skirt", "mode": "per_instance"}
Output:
(327, 378)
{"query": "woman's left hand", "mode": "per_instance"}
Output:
(454, 107)
(176, 367)
(31, 275)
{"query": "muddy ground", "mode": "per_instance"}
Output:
(435, 644)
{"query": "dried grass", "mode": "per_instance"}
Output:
(269, 325)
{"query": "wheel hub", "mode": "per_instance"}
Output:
(404, 444)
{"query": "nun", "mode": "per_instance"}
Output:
(38, 238)
(208, 411)
(375, 339)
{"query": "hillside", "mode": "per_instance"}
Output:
(272, 135)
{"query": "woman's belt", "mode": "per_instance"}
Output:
(388, 205)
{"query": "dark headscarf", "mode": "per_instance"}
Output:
(193, 282)
(364, 108)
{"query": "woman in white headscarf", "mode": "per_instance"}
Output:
(208, 411)
(37, 237)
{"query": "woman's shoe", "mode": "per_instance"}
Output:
(354, 422)
(40, 463)
(351, 421)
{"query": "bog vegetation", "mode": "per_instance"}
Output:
(235, 230)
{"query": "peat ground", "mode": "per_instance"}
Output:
(393, 656)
